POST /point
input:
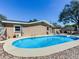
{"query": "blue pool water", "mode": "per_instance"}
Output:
(44, 41)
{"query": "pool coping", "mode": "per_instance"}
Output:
(35, 52)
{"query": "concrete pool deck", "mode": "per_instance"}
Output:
(72, 53)
(35, 52)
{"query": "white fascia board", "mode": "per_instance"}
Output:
(28, 23)
(13, 22)
(20, 22)
(42, 21)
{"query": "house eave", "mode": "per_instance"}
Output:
(25, 23)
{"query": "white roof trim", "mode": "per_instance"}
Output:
(28, 23)
(13, 22)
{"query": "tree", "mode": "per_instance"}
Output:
(70, 13)
(68, 26)
(34, 20)
(73, 25)
(2, 17)
(56, 25)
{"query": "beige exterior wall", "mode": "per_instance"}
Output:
(28, 31)
(34, 30)
(9, 28)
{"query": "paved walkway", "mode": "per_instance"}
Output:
(72, 53)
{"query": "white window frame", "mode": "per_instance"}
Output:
(15, 26)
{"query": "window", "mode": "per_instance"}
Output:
(17, 28)
(47, 28)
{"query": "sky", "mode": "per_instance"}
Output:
(25, 10)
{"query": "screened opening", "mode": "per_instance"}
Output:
(17, 28)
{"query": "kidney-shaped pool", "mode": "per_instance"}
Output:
(39, 42)
(40, 46)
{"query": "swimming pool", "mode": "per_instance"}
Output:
(40, 45)
(44, 41)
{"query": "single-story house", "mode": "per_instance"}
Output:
(18, 28)
(70, 30)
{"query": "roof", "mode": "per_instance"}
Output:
(43, 22)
